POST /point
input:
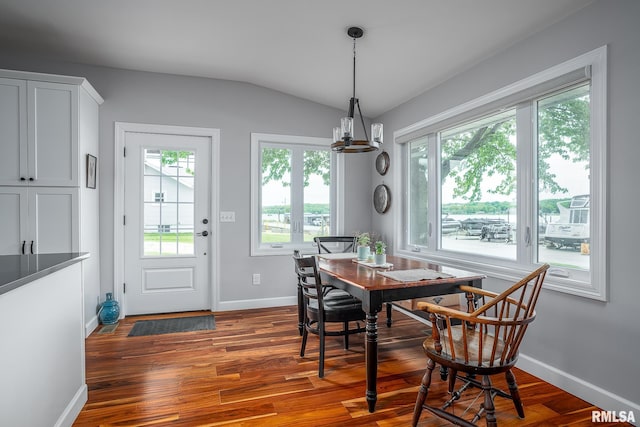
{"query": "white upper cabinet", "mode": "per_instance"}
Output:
(39, 133)
(52, 129)
(13, 131)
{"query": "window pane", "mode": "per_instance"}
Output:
(563, 178)
(185, 228)
(168, 202)
(418, 193)
(478, 186)
(276, 196)
(317, 194)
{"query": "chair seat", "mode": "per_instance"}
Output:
(341, 309)
(473, 347)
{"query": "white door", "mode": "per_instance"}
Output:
(167, 180)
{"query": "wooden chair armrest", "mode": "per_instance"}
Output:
(452, 313)
(483, 292)
(444, 311)
(477, 291)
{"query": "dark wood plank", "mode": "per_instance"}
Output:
(248, 372)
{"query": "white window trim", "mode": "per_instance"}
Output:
(594, 287)
(338, 199)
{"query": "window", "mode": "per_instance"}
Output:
(514, 179)
(169, 202)
(294, 192)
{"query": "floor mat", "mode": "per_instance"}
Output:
(168, 326)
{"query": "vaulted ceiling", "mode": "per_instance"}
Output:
(299, 47)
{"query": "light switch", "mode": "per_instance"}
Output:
(227, 216)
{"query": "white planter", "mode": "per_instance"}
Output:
(363, 253)
(380, 259)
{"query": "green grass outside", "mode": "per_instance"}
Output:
(182, 237)
(282, 237)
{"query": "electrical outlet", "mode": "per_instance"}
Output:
(256, 279)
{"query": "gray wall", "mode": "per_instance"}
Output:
(593, 341)
(237, 109)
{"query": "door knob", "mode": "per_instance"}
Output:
(204, 233)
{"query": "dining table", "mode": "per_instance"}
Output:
(399, 279)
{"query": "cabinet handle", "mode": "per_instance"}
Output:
(31, 179)
(22, 178)
(32, 247)
(24, 242)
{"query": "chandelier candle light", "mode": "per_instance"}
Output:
(343, 136)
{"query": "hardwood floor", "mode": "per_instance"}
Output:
(248, 372)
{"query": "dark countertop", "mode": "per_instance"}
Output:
(18, 270)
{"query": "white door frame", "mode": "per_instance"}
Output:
(121, 128)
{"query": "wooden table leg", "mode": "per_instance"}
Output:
(371, 351)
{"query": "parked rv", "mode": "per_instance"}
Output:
(572, 228)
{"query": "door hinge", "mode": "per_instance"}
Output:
(124, 151)
(124, 288)
(124, 220)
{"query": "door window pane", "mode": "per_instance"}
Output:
(564, 178)
(478, 186)
(169, 202)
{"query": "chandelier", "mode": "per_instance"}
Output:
(343, 136)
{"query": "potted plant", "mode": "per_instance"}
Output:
(380, 254)
(363, 241)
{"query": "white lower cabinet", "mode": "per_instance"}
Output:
(39, 220)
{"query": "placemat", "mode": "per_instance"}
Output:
(414, 275)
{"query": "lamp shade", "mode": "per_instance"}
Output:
(347, 127)
(376, 132)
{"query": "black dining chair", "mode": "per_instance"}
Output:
(333, 244)
(342, 244)
(329, 293)
(320, 311)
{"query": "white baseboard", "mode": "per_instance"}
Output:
(73, 409)
(256, 303)
(591, 393)
(90, 326)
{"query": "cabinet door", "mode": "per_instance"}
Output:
(13, 131)
(15, 219)
(52, 133)
(53, 220)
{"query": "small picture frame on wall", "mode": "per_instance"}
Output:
(92, 168)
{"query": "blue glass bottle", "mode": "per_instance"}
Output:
(109, 311)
